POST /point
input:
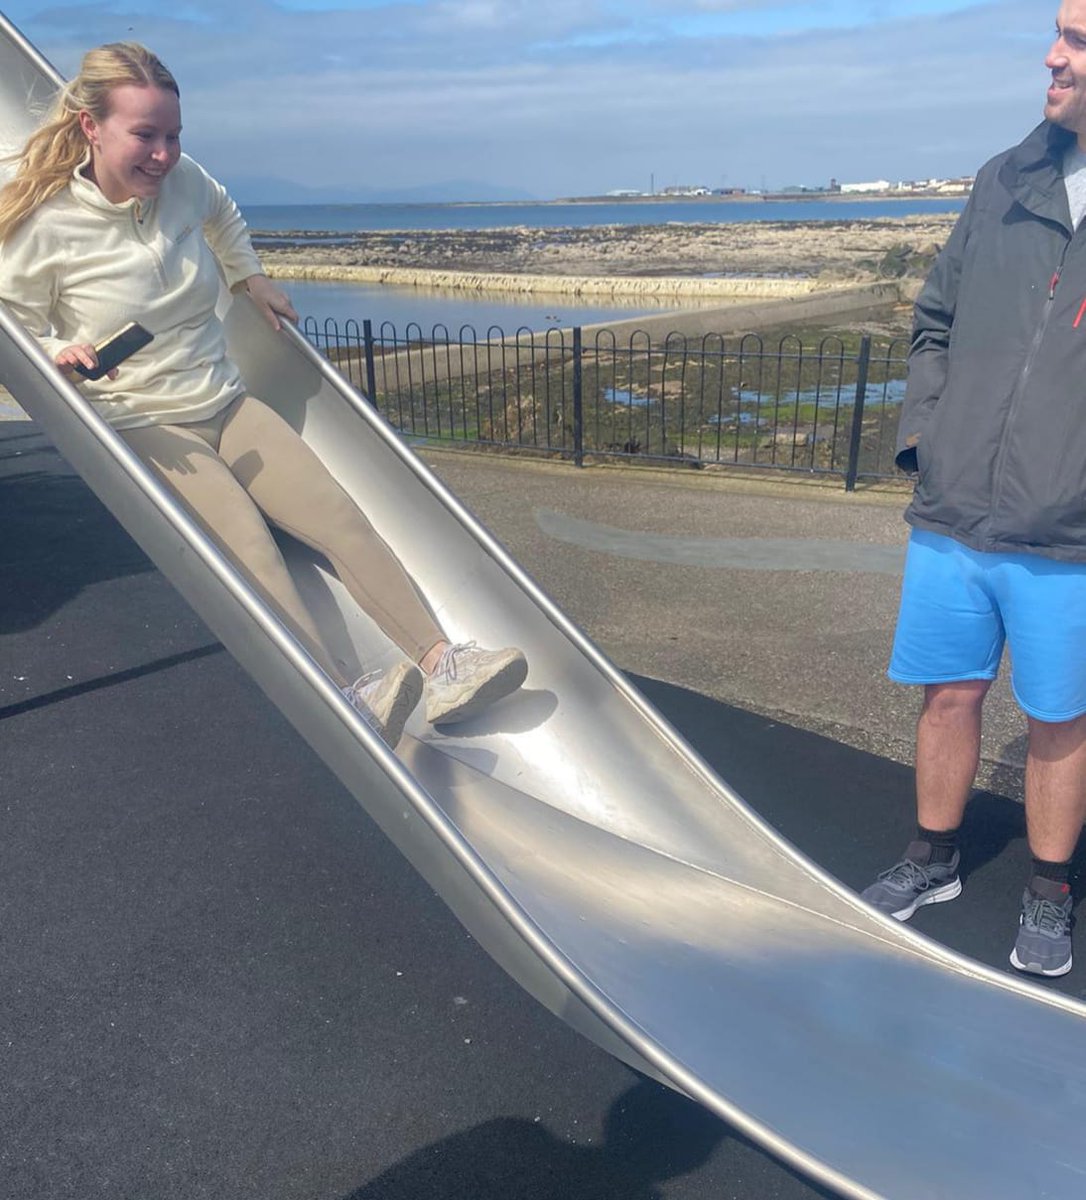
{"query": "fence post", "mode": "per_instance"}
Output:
(862, 365)
(371, 372)
(578, 401)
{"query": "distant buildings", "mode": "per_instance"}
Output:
(686, 190)
(959, 186)
(676, 190)
(877, 185)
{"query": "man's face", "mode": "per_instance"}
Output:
(1065, 104)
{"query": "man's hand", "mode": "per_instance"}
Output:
(83, 356)
(270, 300)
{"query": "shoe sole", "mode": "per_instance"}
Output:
(939, 895)
(1036, 968)
(406, 700)
(501, 684)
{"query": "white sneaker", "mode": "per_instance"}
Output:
(467, 680)
(387, 698)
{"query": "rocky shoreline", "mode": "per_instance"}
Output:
(807, 254)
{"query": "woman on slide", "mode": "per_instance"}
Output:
(106, 222)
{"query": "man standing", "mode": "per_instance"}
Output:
(994, 424)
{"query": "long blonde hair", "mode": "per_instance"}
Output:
(52, 153)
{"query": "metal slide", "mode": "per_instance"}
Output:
(589, 850)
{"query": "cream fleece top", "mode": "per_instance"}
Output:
(81, 267)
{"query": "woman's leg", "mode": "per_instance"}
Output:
(185, 461)
(296, 492)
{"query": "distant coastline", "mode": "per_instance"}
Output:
(657, 211)
(894, 195)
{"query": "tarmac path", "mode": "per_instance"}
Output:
(743, 554)
(221, 981)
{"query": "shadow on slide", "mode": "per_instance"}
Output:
(589, 849)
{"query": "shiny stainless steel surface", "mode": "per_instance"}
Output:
(591, 852)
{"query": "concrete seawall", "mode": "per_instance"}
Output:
(740, 316)
(566, 285)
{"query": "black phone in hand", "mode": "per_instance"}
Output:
(114, 350)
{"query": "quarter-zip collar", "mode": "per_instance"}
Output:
(1033, 173)
(87, 192)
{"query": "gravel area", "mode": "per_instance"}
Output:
(830, 251)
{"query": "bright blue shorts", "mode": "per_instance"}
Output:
(959, 606)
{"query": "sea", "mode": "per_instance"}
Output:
(347, 218)
(398, 306)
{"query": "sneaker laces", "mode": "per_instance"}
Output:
(1046, 916)
(353, 694)
(447, 664)
(907, 874)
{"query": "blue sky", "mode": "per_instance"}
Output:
(575, 97)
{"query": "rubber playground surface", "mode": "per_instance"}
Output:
(222, 981)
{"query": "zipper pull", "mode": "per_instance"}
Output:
(1054, 281)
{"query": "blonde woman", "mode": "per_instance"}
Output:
(105, 222)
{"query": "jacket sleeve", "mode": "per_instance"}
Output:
(933, 319)
(226, 233)
(28, 283)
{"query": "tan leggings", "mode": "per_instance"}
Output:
(247, 461)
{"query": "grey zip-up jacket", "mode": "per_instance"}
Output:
(994, 417)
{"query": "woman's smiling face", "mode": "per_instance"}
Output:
(137, 145)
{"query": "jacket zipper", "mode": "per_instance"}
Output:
(1023, 375)
(156, 258)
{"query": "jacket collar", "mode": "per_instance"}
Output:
(1033, 173)
(88, 193)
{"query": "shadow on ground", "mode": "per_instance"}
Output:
(50, 555)
(651, 1136)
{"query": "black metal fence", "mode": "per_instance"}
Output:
(827, 408)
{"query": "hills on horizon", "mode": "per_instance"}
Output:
(257, 190)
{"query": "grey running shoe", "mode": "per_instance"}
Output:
(914, 882)
(468, 679)
(1044, 934)
(385, 699)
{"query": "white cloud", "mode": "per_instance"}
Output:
(581, 95)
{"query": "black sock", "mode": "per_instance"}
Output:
(943, 843)
(1058, 872)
